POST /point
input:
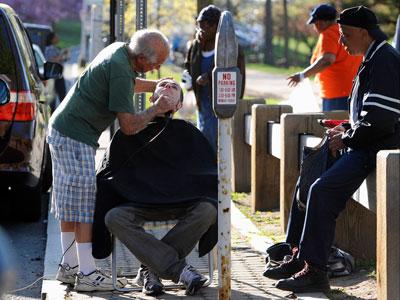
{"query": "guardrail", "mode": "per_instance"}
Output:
(388, 223)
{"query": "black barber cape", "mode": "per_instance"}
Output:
(178, 166)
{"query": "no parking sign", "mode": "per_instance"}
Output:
(226, 85)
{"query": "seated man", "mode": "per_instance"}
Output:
(374, 125)
(165, 172)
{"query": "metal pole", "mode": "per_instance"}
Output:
(224, 208)
(225, 93)
(117, 30)
(141, 23)
(120, 21)
(113, 5)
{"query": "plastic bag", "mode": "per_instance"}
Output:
(303, 99)
(188, 110)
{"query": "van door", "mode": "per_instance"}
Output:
(37, 99)
(8, 72)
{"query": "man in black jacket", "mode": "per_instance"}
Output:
(199, 65)
(373, 125)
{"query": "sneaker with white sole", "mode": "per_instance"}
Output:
(66, 274)
(96, 281)
(191, 279)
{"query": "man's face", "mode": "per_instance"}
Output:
(205, 31)
(169, 88)
(143, 64)
(353, 39)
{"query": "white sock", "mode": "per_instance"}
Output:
(86, 261)
(68, 248)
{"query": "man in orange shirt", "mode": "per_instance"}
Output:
(333, 66)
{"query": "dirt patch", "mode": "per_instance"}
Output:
(361, 284)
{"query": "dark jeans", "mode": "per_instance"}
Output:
(329, 104)
(314, 229)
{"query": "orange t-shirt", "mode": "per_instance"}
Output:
(336, 80)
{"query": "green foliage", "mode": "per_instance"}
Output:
(69, 32)
(368, 265)
(238, 196)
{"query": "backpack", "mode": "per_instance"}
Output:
(316, 160)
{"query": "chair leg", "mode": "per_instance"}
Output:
(210, 269)
(114, 270)
(173, 286)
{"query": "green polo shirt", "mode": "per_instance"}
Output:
(103, 89)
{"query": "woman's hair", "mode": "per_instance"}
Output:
(50, 37)
(148, 42)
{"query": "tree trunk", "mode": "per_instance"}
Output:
(268, 55)
(202, 3)
(339, 5)
(286, 32)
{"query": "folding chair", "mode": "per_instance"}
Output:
(150, 225)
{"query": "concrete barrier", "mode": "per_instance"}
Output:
(388, 224)
(265, 167)
(241, 151)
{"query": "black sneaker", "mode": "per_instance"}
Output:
(191, 279)
(287, 269)
(308, 280)
(152, 285)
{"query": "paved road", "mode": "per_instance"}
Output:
(28, 242)
(265, 85)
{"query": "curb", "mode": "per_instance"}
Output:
(246, 228)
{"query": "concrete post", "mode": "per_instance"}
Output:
(96, 23)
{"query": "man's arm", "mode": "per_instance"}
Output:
(133, 123)
(319, 65)
(241, 64)
(144, 85)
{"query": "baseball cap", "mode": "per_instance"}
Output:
(362, 17)
(209, 13)
(322, 12)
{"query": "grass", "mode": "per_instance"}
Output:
(368, 265)
(69, 32)
(272, 69)
(268, 222)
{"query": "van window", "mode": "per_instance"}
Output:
(7, 59)
(25, 46)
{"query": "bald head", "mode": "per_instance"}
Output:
(151, 44)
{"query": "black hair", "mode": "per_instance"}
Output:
(50, 37)
(181, 96)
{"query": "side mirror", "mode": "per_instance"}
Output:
(4, 93)
(52, 70)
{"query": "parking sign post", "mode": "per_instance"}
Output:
(226, 81)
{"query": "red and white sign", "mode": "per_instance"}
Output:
(226, 88)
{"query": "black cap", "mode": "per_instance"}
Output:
(322, 12)
(210, 13)
(362, 17)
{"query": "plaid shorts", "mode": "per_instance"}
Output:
(74, 178)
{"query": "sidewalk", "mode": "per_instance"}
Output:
(247, 264)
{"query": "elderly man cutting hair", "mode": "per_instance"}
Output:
(102, 93)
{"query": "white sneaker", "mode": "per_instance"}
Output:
(191, 279)
(96, 281)
(66, 274)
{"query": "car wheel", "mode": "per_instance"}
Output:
(31, 200)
